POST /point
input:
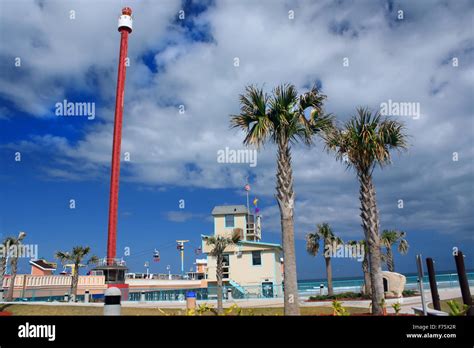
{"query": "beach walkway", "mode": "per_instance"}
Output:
(407, 303)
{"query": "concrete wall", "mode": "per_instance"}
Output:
(39, 272)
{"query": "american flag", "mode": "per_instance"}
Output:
(247, 187)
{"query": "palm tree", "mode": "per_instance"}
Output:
(4, 246)
(219, 244)
(280, 119)
(365, 263)
(365, 141)
(390, 238)
(331, 242)
(15, 243)
(76, 256)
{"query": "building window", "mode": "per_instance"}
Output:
(256, 258)
(229, 221)
(225, 259)
(225, 266)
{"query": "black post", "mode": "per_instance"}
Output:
(433, 285)
(463, 282)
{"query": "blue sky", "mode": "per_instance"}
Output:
(190, 62)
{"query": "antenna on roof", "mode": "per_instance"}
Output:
(247, 190)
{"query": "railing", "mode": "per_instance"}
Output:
(29, 281)
(160, 276)
(238, 291)
(111, 262)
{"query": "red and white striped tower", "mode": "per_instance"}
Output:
(125, 28)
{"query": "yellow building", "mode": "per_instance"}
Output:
(252, 268)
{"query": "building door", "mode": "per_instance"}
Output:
(267, 289)
(385, 284)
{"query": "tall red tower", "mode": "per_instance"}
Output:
(114, 270)
(125, 28)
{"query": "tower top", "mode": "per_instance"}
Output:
(125, 20)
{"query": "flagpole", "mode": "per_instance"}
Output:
(247, 191)
(248, 206)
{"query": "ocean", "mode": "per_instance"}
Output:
(443, 279)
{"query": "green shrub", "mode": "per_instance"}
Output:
(338, 309)
(342, 295)
(457, 309)
(408, 293)
(397, 307)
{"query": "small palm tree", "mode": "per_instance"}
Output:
(365, 141)
(338, 309)
(457, 309)
(76, 257)
(15, 243)
(280, 119)
(365, 264)
(331, 242)
(390, 238)
(219, 244)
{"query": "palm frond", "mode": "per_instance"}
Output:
(281, 116)
(312, 243)
(253, 117)
(365, 140)
(63, 256)
(93, 260)
(403, 246)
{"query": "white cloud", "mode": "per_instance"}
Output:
(403, 60)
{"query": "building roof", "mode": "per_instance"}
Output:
(229, 209)
(44, 265)
(274, 245)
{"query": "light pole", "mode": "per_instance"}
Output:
(168, 268)
(147, 269)
(180, 247)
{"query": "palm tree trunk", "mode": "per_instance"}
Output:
(286, 197)
(370, 223)
(390, 262)
(14, 269)
(329, 275)
(219, 275)
(365, 269)
(3, 266)
(74, 282)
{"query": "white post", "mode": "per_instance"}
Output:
(321, 289)
(86, 296)
(112, 298)
(147, 269)
(142, 296)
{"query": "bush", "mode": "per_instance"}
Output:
(338, 309)
(342, 295)
(408, 293)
